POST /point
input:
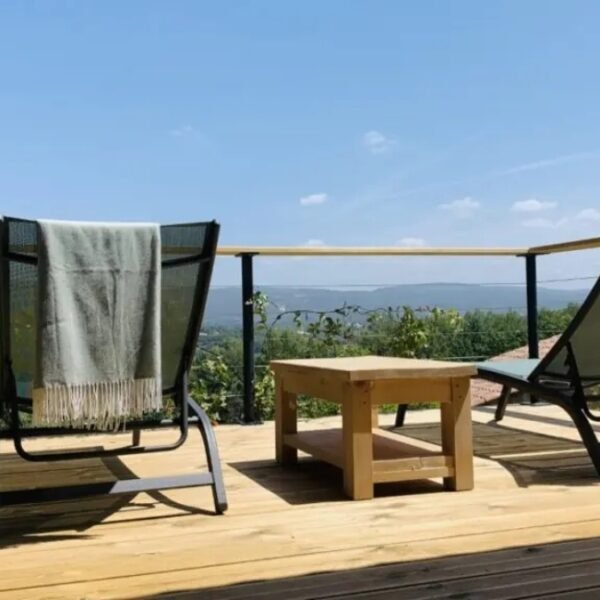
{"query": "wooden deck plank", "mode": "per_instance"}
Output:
(295, 522)
(161, 578)
(399, 576)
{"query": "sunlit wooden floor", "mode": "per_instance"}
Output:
(529, 529)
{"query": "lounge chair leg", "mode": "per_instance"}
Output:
(590, 441)
(136, 438)
(502, 402)
(212, 455)
(400, 415)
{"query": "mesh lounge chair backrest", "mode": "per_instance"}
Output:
(188, 253)
(583, 336)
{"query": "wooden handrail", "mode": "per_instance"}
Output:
(586, 244)
(365, 251)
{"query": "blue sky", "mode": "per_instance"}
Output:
(335, 122)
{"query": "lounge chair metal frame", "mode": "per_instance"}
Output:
(566, 390)
(189, 411)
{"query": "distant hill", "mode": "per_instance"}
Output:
(224, 303)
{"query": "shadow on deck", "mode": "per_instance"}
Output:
(559, 570)
(35, 524)
(531, 458)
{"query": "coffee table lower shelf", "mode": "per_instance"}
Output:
(393, 460)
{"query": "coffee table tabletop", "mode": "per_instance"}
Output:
(370, 368)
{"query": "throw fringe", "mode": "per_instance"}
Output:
(104, 406)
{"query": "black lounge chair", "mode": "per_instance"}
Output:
(568, 376)
(188, 253)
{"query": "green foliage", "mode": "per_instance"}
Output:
(212, 382)
(328, 334)
(489, 334)
(264, 394)
(552, 322)
(395, 332)
(216, 379)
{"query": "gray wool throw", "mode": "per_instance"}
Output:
(99, 353)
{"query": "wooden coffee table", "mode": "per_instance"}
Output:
(360, 384)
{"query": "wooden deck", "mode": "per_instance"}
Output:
(529, 529)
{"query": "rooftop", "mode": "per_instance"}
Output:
(530, 521)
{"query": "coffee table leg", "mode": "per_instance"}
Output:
(375, 416)
(457, 435)
(285, 422)
(358, 443)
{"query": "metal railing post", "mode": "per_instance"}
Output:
(249, 415)
(532, 306)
